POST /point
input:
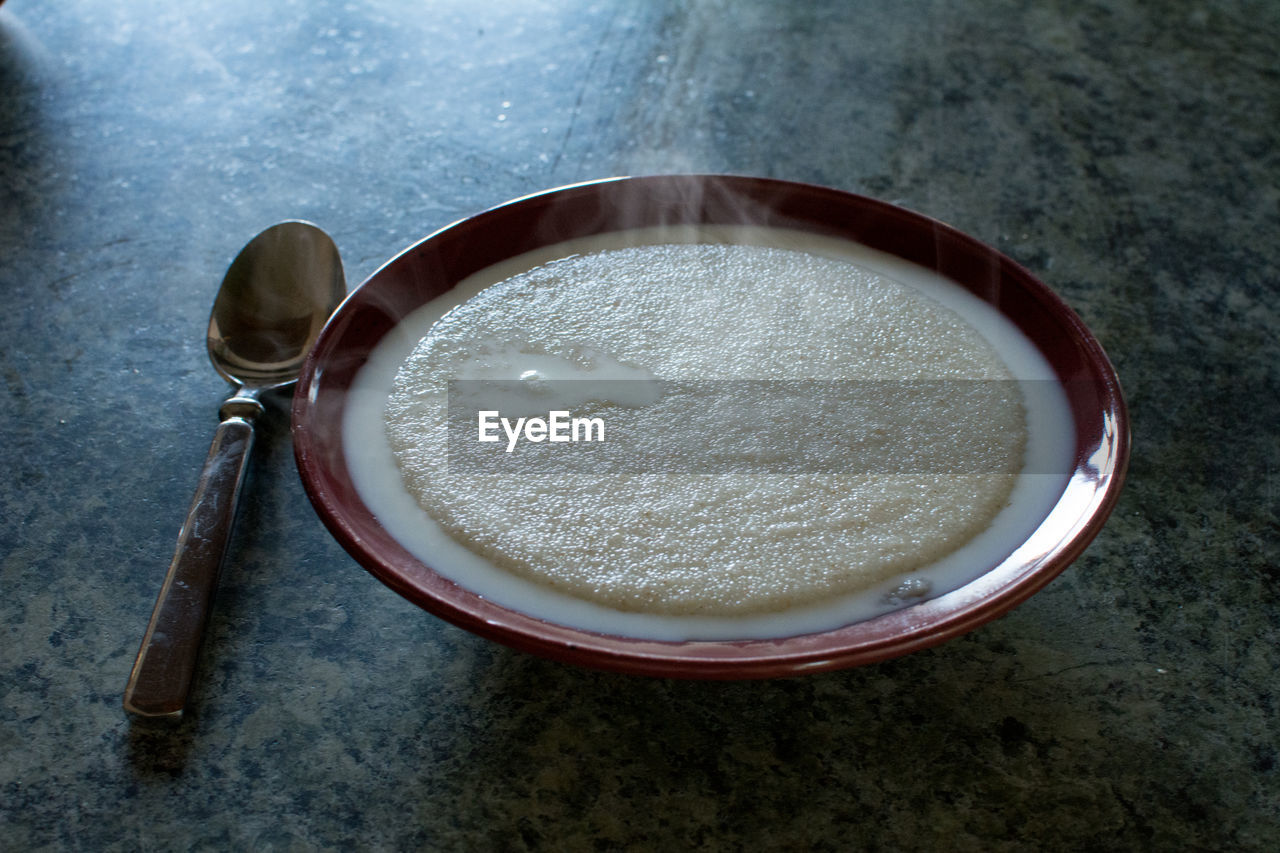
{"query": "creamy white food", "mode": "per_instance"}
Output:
(684, 553)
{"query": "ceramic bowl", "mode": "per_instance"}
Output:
(438, 262)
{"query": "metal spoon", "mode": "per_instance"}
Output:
(272, 305)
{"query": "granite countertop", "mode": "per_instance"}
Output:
(1124, 152)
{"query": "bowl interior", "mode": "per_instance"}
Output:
(433, 266)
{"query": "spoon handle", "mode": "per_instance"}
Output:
(162, 674)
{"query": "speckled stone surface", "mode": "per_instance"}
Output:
(1126, 152)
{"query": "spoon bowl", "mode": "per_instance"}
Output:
(274, 300)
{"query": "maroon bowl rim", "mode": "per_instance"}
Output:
(440, 260)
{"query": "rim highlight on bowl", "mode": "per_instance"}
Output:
(434, 265)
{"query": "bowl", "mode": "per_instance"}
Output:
(434, 265)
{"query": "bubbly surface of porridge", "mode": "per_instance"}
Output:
(695, 541)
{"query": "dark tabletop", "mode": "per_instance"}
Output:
(1127, 153)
